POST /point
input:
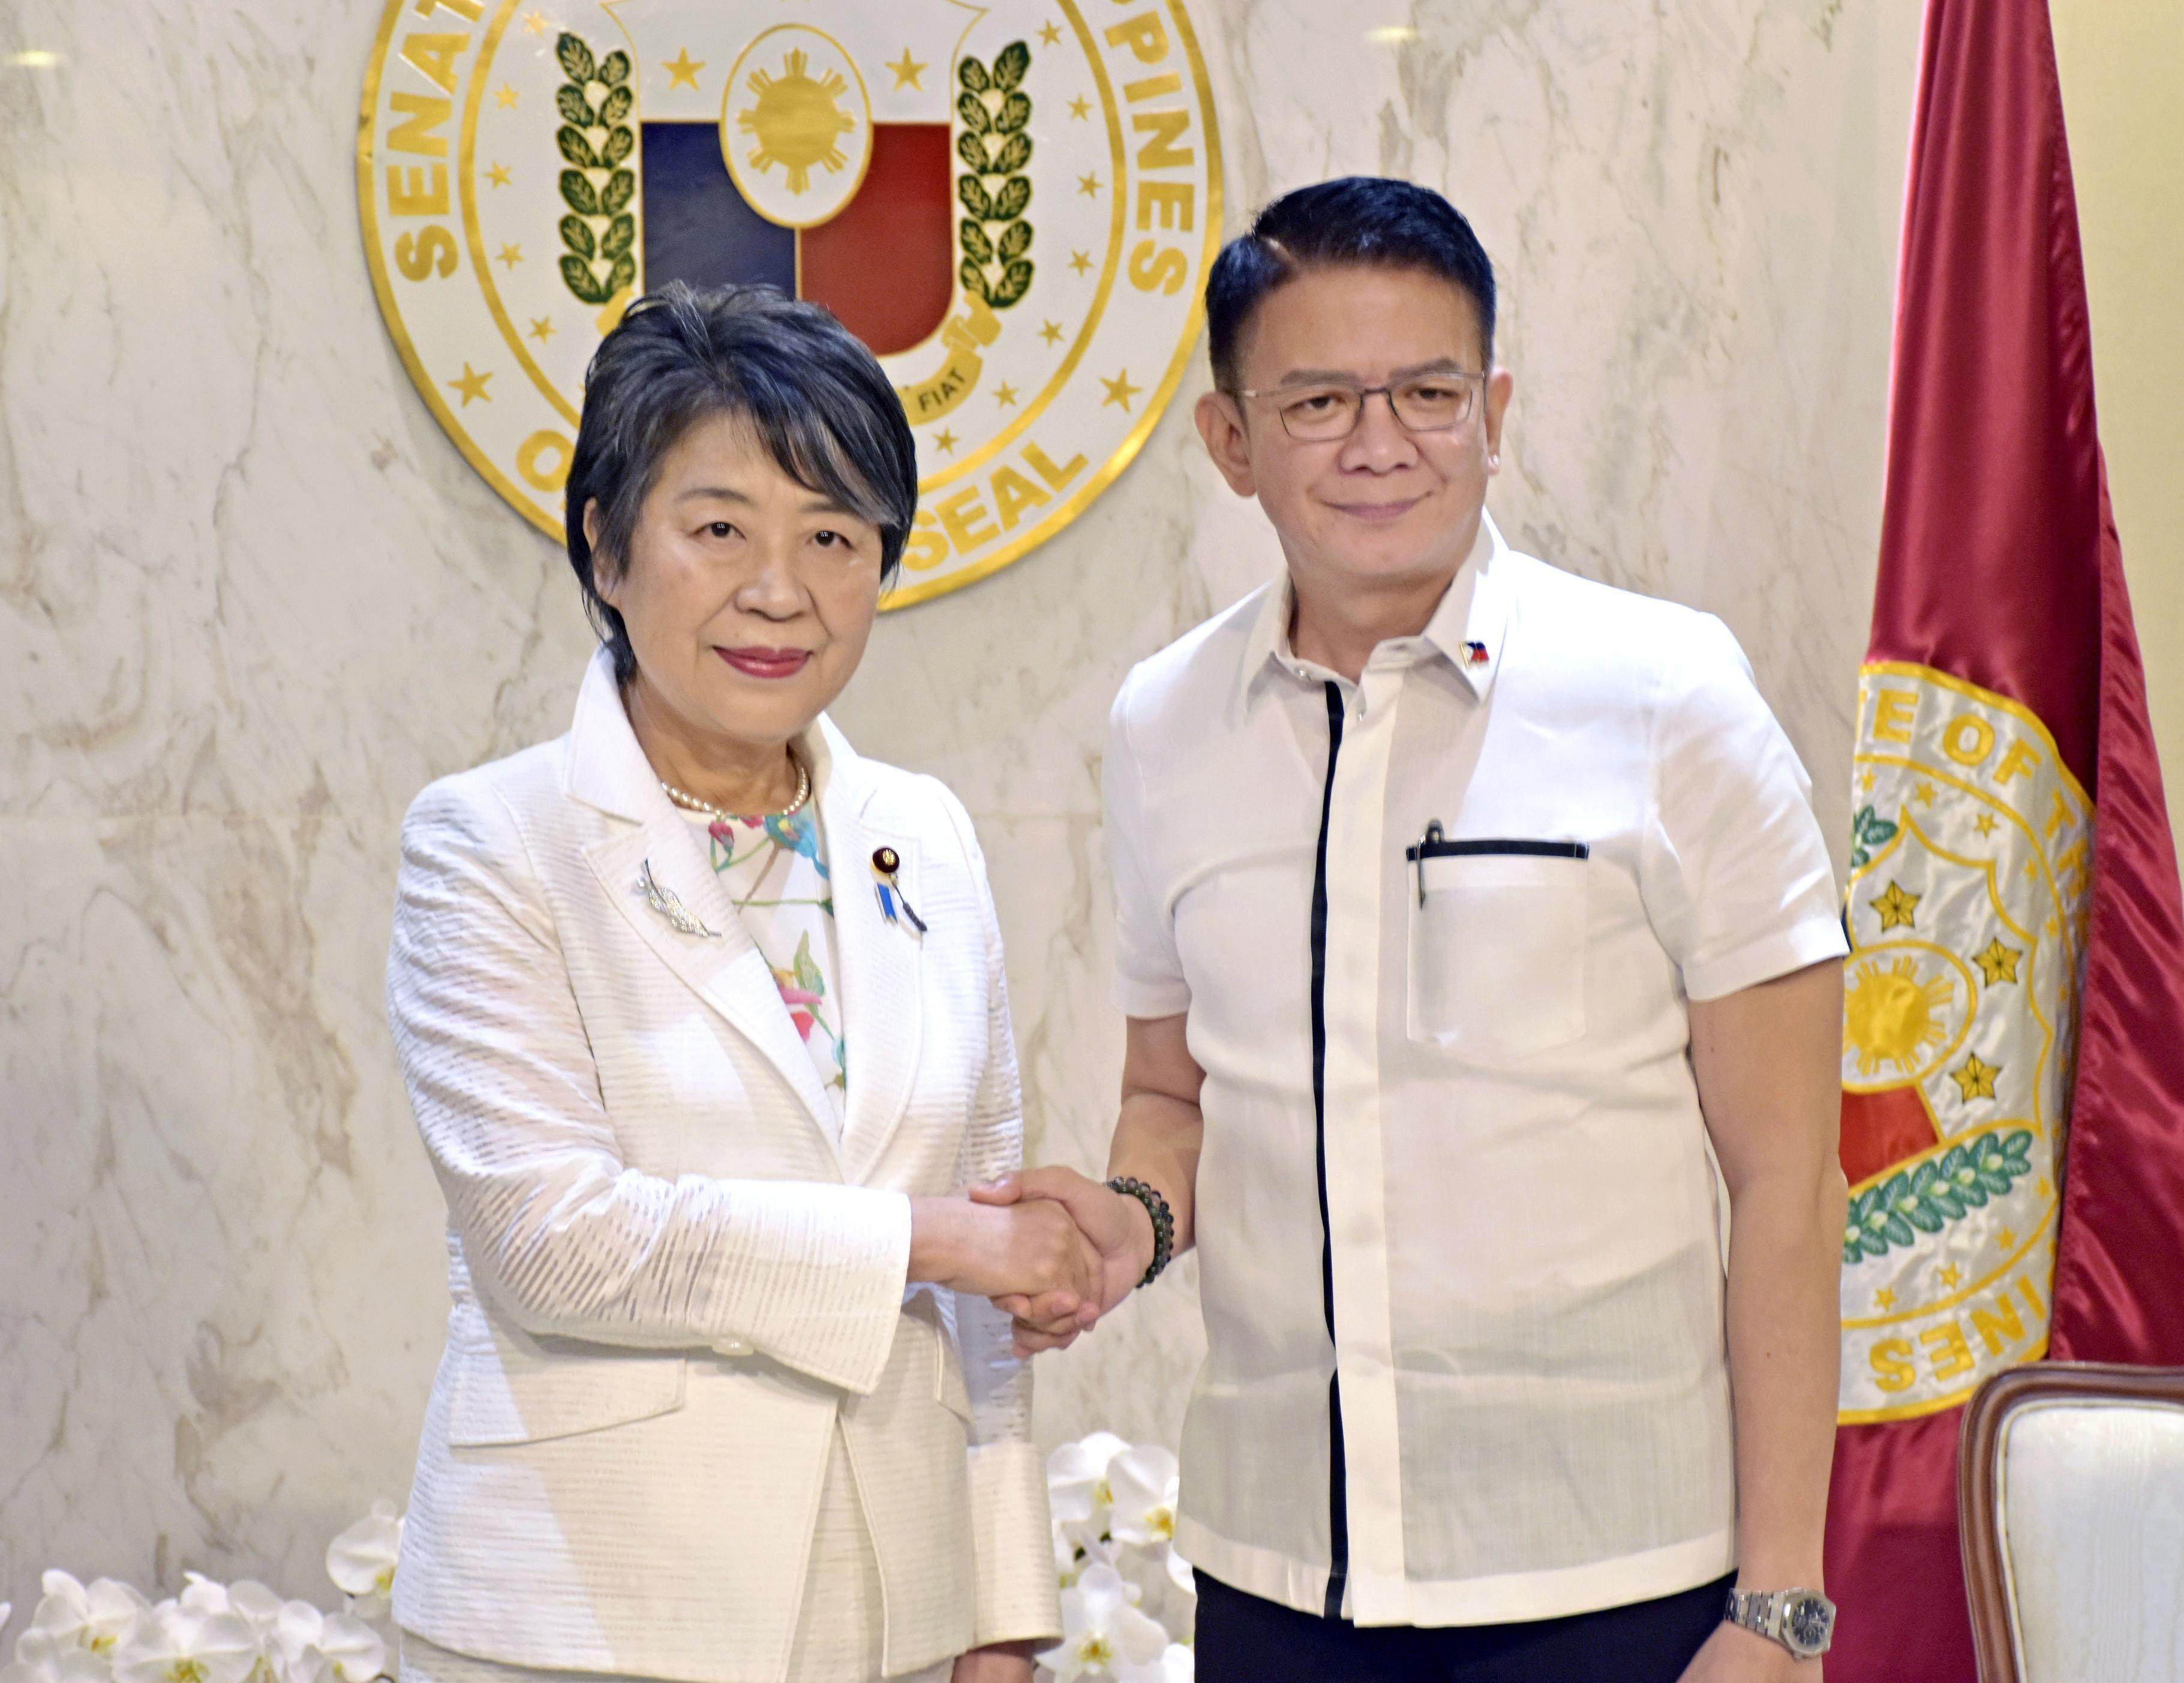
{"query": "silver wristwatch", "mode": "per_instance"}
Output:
(1802, 1621)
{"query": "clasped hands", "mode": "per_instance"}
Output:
(1053, 1250)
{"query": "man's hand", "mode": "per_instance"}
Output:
(1033, 1248)
(1156, 1140)
(1733, 1654)
(1114, 1225)
(1001, 1662)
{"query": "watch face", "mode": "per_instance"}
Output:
(1807, 1621)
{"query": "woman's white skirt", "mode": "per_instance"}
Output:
(837, 1630)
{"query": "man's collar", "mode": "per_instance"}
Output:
(1469, 625)
(1267, 645)
(1466, 627)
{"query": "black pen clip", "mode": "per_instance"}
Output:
(1431, 838)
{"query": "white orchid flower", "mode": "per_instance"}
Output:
(200, 1594)
(1071, 1558)
(93, 1617)
(1077, 1486)
(361, 1560)
(39, 1658)
(172, 1643)
(1142, 1485)
(1102, 1634)
(307, 1667)
(297, 1634)
(326, 1648)
(256, 1606)
(245, 1598)
(1145, 1484)
(351, 1651)
(1176, 1664)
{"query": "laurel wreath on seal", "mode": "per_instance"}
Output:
(600, 229)
(1868, 831)
(1926, 1198)
(996, 111)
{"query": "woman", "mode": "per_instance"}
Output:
(703, 1019)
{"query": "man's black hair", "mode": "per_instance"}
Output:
(1368, 219)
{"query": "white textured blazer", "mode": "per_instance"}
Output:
(669, 1281)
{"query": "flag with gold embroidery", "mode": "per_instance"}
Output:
(2012, 1111)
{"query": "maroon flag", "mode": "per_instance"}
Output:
(2013, 1065)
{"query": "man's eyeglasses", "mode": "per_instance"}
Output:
(1426, 403)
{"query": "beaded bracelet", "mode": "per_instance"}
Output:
(1162, 1219)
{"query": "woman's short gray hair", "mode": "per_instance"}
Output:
(817, 400)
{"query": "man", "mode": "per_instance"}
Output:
(1470, 914)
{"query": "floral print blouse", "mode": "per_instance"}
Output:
(775, 871)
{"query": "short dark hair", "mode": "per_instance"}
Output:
(1367, 220)
(818, 399)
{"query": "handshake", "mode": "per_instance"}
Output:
(1053, 1250)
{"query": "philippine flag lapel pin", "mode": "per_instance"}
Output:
(1474, 654)
(893, 907)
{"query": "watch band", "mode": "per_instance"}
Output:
(1163, 1222)
(1801, 1620)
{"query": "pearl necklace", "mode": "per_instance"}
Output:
(690, 803)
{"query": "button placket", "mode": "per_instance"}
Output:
(1357, 1167)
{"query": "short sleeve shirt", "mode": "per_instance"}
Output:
(1436, 934)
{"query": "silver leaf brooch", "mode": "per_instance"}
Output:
(668, 905)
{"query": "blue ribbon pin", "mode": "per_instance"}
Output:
(894, 905)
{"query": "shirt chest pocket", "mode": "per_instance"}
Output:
(1498, 945)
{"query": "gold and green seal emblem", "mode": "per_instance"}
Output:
(1014, 205)
(1969, 863)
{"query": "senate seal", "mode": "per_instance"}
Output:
(1014, 205)
(1969, 866)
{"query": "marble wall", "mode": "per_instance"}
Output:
(251, 599)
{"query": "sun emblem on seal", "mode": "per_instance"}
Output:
(1890, 1016)
(797, 121)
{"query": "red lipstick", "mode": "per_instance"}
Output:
(765, 663)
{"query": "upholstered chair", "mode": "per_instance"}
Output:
(2071, 1499)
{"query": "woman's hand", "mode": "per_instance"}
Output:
(1116, 1226)
(1002, 1663)
(1033, 1249)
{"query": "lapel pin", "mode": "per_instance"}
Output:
(1474, 654)
(886, 861)
(668, 905)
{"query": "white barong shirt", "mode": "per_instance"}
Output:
(1461, 907)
